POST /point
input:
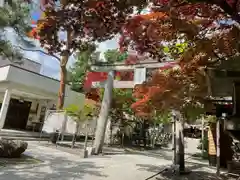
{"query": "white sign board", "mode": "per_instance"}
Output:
(65, 124)
(71, 126)
(54, 121)
(139, 75)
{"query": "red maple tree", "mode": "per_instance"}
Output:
(197, 23)
(208, 41)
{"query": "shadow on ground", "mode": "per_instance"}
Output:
(59, 169)
(24, 159)
(197, 172)
(108, 150)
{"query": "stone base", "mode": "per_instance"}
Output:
(212, 160)
(85, 154)
(175, 169)
(185, 172)
(90, 151)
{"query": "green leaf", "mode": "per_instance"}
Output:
(162, 117)
(114, 55)
(77, 72)
(166, 49)
(81, 114)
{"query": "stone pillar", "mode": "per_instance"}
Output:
(103, 116)
(4, 108)
(38, 111)
(107, 138)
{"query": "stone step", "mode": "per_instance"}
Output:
(25, 138)
(7, 134)
(11, 134)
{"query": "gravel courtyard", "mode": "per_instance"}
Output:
(58, 164)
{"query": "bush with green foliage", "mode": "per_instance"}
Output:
(81, 114)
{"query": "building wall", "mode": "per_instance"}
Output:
(32, 80)
(34, 115)
(33, 112)
(37, 105)
(26, 64)
(32, 86)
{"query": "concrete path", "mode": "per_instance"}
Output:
(60, 165)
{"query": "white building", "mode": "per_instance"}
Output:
(25, 95)
(25, 64)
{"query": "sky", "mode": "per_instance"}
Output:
(50, 66)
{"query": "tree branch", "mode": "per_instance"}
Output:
(38, 50)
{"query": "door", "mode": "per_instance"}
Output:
(17, 115)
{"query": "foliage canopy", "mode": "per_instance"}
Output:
(14, 14)
(193, 33)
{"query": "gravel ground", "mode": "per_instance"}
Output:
(64, 163)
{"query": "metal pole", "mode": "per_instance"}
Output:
(202, 134)
(218, 146)
(174, 139)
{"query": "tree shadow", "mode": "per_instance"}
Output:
(197, 172)
(78, 149)
(23, 159)
(113, 151)
(163, 153)
(160, 154)
(59, 168)
(193, 175)
(109, 150)
(66, 147)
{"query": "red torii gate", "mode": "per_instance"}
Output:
(91, 77)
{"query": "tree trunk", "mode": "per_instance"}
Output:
(122, 131)
(174, 141)
(63, 69)
(180, 145)
(93, 137)
(75, 136)
(103, 116)
(85, 145)
(154, 135)
(63, 78)
(73, 140)
(63, 72)
(85, 141)
(144, 134)
(123, 137)
(111, 132)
